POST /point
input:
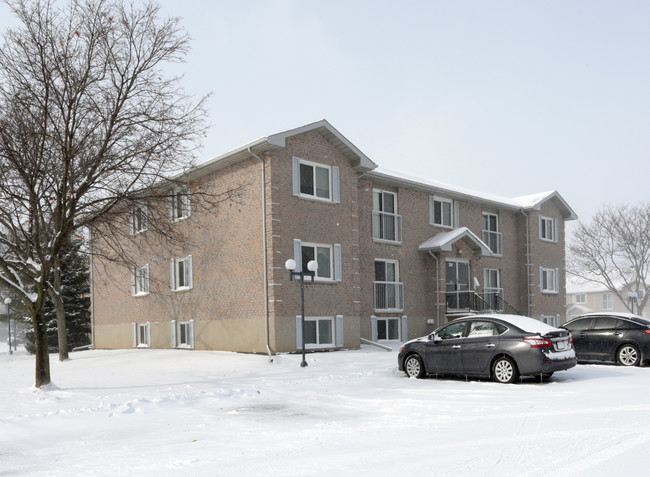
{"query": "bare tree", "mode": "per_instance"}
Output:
(88, 120)
(614, 251)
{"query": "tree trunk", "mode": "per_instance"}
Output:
(42, 355)
(57, 299)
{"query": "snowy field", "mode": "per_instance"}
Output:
(194, 413)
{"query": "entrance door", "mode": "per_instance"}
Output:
(457, 284)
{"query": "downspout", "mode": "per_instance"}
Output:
(437, 288)
(266, 260)
(528, 264)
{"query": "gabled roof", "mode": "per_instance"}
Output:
(528, 202)
(444, 240)
(358, 159)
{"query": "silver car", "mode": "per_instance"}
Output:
(503, 347)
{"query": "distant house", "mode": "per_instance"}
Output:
(397, 255)
(588, 297)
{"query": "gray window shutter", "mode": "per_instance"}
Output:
(405, 328)
(336, 185)
(431, 210)
(298, 332)
(339, 331)
(373, 328)
(557, 280)
(338, 266)
(172, 273)
(539, 225)
(191, 334)
(173, 333)
(186, 200)
(556, 231)
(131, 220)
(295, 167)
(541, 278)
(145, 208)
(133, 281)
(135, 334)
(171, 205)
(190, 272)
(146, 279)
(297, 254)
(148, 334)
(456, 223)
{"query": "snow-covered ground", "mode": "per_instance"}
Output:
(194, 413)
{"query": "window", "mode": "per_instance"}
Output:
(181, 273)
(386, 224)
(441, 211)
(478, 329)
(179, 203)
(182, 334)
(452, 331)
(315, 181)
(388, 328)
(139, 218)
(320, 332)
(389, 292)
(551, 320)
(492, 291)
(141, 335)
(549, 280)
(491, 235)
(608, 301)
(548, 229)
(140, 280)
(327, 256)
(580, 298)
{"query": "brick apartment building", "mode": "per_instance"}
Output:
(397, 256)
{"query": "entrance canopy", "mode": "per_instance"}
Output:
(443, 241)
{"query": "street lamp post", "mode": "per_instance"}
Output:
(312, 266)
(8, 303)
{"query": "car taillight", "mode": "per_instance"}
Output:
(570, 339)
(647, 331)
(538, 342)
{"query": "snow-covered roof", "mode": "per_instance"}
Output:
(527, 202)
(444, 240)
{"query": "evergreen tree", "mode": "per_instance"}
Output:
(75, 290)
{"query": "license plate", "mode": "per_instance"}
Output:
(561, 344)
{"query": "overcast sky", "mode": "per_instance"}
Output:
(505, 97)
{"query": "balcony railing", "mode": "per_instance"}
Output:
(389, 296)
(386, 226)
(489, 302)
(493, 240)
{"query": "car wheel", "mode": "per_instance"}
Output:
(628, 355)
(504, 370)
(413, 366)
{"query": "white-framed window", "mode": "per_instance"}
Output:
(386, 223)
(551, 320)
(316, 181)
(140, 280)
(139, 218)
(386, 328)
(183, 334)
(141, 335)
(580, 298)
(388, 290)
(608, 301)
(549, 280)
(491, 235)
(548, 228)
(179, 203)
(328, 257)
(320, 331)
(441, 211)
(181, 274)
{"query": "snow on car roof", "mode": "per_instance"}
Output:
(527, 324)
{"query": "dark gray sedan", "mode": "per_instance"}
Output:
(502, 347)
(620, 337)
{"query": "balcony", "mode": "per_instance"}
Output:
(386, 226)
(491, 301)
(494, 241)
(389, 296)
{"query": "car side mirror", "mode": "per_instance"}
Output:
(434, 337)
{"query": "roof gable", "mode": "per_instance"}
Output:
(444, 240)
